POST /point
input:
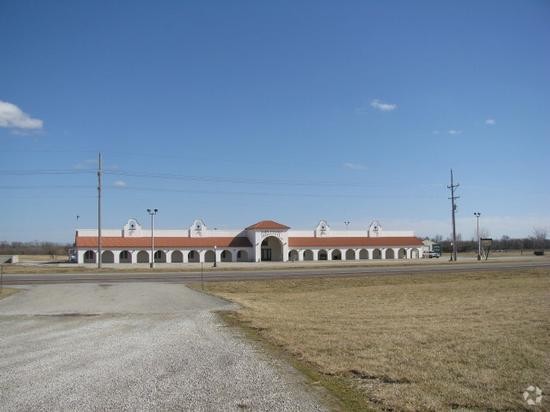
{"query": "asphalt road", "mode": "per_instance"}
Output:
(136, 347)
(287, 273)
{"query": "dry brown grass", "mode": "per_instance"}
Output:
(5, 292)
(422, 342)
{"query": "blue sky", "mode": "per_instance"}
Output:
(295, 111)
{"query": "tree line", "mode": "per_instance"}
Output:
(537, 241)
(34, 248)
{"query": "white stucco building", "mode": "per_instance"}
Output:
(264, 241)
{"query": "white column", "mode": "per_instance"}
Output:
(218, 255)
(300, 255)
(234, 255)
(80, 256)
(343, 253)
(383, 253)
(116, 256)
(329, 254)
(201, 255)
(409, 253)
(257, 253)
(168, 256)
(315, 254)
(185, 254)
(396, 253)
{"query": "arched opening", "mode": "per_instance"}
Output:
(322, 255)
(363, 254)
(402, 254)
(160, 256)
(193, 257)
(350, 254)
(293, 255)
(272, 249)
(107, 257)
(308, 255)
(143, 256)
(210, 256)
(242, 256)
(390, 254)
(336, 254)
(376, 254)
(89, 256)
(415, 254)
(177, 257)
(125, 257)
(226, 256)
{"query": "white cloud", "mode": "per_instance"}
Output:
(119, 183)
(354, 166)
(384, 107)
(454, 132)
(490, 122)
(13, 117)
(435, 132)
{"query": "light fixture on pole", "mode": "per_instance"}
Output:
(152, 212)
(347, 222)
(477, 215)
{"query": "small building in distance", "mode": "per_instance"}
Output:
(265, 241)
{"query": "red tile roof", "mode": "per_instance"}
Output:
(352, 241)
(267, 225)
(167, 242)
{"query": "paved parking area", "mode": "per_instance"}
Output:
(135, 347)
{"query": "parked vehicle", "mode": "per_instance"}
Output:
(431, 254)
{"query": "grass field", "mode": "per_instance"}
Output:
(424, 342)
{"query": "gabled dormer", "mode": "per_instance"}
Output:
(322, 229)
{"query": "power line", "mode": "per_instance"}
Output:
(45, 172)
(237, 180)
(266, 194)
(32, 187)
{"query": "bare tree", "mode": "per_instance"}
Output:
(539, 237)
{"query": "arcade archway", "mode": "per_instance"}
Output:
(272, 249)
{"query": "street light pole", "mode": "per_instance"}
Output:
(215, 256)
(477, 215)
(152, 212)
(347, 222)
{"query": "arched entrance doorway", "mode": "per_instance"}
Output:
(272, 249)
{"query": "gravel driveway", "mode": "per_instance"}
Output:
(135, 347)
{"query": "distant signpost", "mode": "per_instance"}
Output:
(486, 244)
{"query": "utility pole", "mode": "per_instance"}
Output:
(452, 187)
(99, 173)
(477, 215)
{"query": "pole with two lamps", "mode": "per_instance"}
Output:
(152, 212)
